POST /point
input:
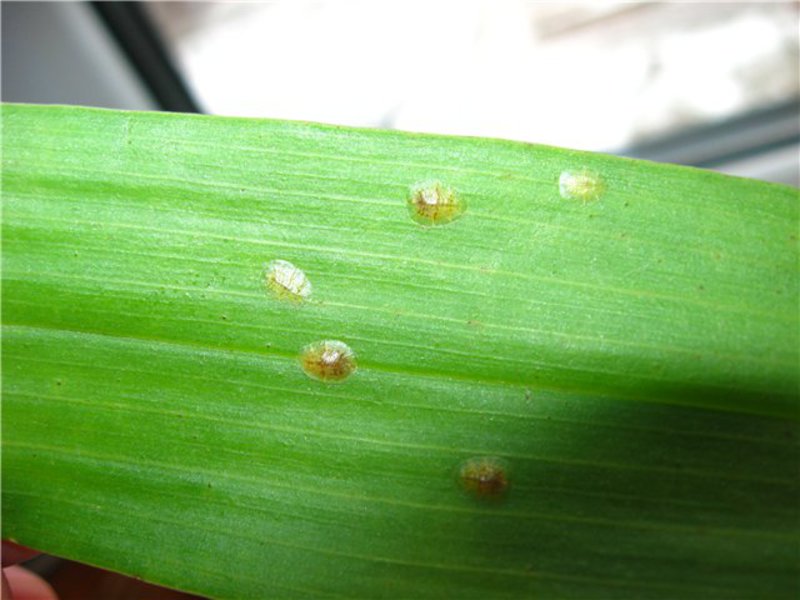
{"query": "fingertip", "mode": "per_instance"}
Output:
(25, 585)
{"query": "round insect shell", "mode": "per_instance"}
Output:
(433, 203)
(328, 360)
(485, 478)
(287, 282)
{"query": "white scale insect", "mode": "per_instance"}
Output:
(287, 282)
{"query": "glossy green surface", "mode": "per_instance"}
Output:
(633, 359)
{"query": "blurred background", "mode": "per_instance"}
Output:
(709, 84)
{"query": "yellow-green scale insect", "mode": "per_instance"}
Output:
(583, 184)
(434, 203)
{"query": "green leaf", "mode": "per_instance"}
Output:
(627, 351)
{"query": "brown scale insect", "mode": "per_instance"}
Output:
(328, 360)
(484, 477)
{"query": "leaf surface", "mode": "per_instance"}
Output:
(632, 358)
